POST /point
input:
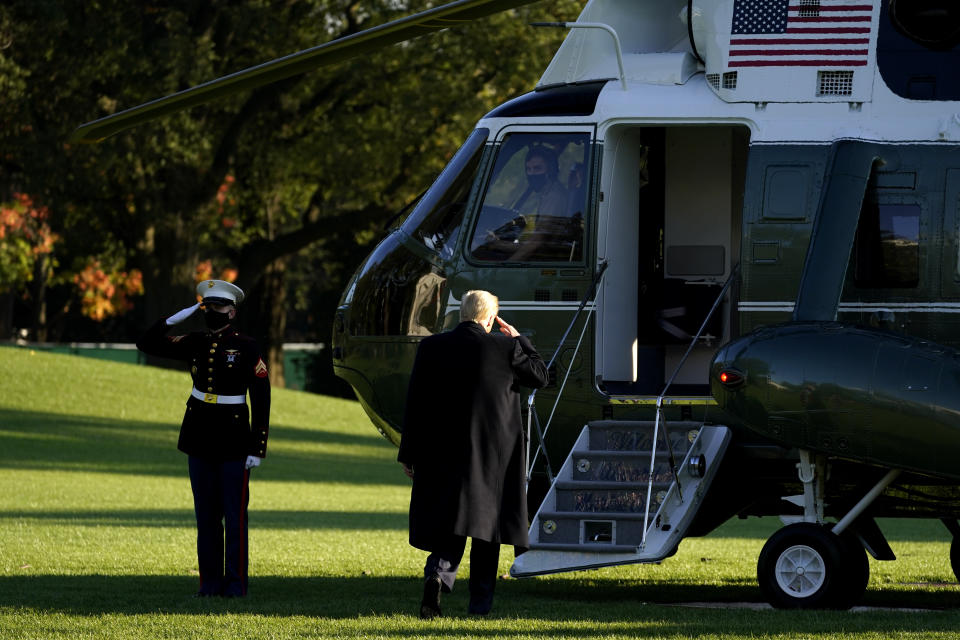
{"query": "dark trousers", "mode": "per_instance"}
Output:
(220, 498)
(484, 558)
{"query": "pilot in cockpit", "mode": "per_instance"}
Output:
(528, 213)
(543, 199)
(544, 193)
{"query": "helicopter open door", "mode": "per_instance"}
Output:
(669, 227)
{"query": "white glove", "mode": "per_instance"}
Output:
(253, 461)
(182, 315)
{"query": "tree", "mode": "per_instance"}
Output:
(26, 243)
(300, 171)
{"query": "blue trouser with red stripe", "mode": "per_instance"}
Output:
(220, 498)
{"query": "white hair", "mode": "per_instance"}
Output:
(478, 305)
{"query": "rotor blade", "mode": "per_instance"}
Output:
(436, 19)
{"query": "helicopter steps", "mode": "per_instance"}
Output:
(594, 514)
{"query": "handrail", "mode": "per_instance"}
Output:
(656, 423)
(618, 49)
(531, 414)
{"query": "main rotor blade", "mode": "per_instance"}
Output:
(436, 19)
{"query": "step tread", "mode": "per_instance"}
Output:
(643, 424)
(618, 453)
(611, 485)
(600, 547)
(593, 515)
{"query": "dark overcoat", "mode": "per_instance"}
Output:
(463, 435)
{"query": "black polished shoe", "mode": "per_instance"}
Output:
(430, 605)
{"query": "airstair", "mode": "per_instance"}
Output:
(618, 499)
(621, 496)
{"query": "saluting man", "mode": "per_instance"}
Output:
(463, 446)
(216, 432)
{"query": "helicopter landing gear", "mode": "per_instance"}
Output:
(954, 527)
(810, 565)
(807, 566)
(955, 558)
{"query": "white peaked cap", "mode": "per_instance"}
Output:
(220, 289)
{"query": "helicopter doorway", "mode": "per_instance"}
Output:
(669, 226)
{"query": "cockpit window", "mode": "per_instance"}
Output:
(436, 219)
(536, 201)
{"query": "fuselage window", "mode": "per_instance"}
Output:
(536, 201)
(436, 219)
(888, 246)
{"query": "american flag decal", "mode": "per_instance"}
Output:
(800, 33)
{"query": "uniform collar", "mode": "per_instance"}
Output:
(226, 329)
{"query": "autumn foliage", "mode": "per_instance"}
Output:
(106, 293)
(205, 271)
(25, 237)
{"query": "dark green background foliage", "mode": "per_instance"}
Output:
(313, 166)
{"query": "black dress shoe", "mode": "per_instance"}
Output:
(430, 605)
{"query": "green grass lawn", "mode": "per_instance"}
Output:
(97, 537)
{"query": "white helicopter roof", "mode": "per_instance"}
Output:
(791, 70)
(752, 50)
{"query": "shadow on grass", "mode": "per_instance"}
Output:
(46, 441)
(555, 606)
(258, 518)
(296, 434)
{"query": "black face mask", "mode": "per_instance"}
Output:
(216, 319)
(537, 180)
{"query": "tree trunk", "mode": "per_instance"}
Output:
(267, 317)
(169, 274)
(170, 271)
(6, 316)
(38, 292)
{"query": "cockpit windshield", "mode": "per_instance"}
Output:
(535, 204)
(436, 219)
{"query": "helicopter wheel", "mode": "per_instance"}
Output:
(805, 566)
(955, 558)
(855, 572)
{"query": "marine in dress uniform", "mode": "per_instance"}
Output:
(463, 445)
(222, 438)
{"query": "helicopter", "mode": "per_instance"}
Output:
(743, 256)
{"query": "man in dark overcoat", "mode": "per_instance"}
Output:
(221, 437)
(463, 445)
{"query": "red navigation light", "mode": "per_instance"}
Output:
(730, 378)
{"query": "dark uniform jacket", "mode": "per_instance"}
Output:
(463, 435)
(223, 363)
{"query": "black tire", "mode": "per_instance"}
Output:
(855, 571)
(802, 567)
(955, 558)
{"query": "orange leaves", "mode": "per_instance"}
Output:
(204, 271)
(104, 294)
(25, 237)
(22, 219)
(224, 200)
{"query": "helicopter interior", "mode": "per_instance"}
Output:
(669, 227)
